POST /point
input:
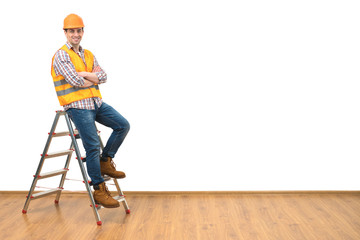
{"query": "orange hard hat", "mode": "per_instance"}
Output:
(73, 21)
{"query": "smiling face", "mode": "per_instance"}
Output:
(74, 36)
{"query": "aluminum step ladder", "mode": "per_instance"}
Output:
(68, 153)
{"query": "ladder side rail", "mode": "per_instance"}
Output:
(83, 172)
(47, 145)
(119, 191)
(115, 181)
(121, 194)
(101, 142)
(118, 187)
(41, 163)
(63, 177)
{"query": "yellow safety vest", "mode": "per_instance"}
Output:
(67, 93)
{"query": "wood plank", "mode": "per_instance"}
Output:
(187, 216)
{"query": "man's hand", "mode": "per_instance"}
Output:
(89, 76)
(87, 83)
(83, 74)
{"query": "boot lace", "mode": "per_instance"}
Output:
(112, 164)
(107, 192)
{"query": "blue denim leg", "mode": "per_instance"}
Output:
(84, 121)
(109, 117)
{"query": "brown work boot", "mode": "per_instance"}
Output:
(102, 196)
(108, 168)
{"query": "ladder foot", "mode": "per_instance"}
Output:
(99, 223)
(56, 202)
(128, 211)
(24, 211)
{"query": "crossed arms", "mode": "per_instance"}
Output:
(90, 78)
(64, 67)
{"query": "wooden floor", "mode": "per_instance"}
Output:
(190, 216)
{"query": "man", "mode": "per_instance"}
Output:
(77, 75)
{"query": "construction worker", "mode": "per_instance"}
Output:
(77, 76)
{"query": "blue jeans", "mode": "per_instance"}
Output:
(84, 121)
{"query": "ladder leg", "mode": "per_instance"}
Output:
(83, 172)
(62, 181)
(29, 196)
(101, 142)
(120, 192)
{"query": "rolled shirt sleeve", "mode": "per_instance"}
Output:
(100, 73)
(63, 66)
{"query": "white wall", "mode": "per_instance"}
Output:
(221, 95)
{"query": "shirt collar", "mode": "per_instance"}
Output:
(69, 46)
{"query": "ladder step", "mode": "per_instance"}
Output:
(66, 133)
(119, 198)
(106, 178)
(60, 112)
(59, 153)
(83, 158)
(45, 193)
(53, 173)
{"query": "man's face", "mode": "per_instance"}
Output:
(74, 36)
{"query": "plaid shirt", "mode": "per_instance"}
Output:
(63, 66)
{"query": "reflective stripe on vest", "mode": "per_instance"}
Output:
(69, 90)
(67, 93)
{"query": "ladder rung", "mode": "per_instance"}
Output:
(83, 158)
(106, 178)
(53, 173)
(66, 133)
(59, 153)
(45, 193)
(60, 112)
(119, 198)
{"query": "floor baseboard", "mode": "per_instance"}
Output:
(139, 193)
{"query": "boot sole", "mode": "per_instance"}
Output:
(108, 206)
(104, 175)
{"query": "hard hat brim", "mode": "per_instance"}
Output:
(73, 27)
